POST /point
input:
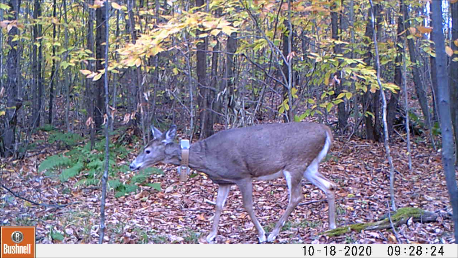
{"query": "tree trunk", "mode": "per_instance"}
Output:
(66, 73)
(100, 55)
(337, 80)
(214, 104)
(90, 100)
(419, 87)
(394, 99)
(453, 76)
(53, 67)
(9, 136)
(371, 100)
(204, 97)
(285, 69)
(448, 158)
(36, 66)
(231, 48)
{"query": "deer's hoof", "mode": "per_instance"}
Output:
(271, 237)
(262, 239)
(210, 239)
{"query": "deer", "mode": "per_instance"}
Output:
(240, 155)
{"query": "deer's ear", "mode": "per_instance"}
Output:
(170, 134)
(155, 132)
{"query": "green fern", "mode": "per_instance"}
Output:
(114, 183)
(53, 162)
(87, 182)
(71, 172)
(69, 139)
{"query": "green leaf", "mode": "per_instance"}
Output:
(323, 95)
(4, 6)
(156, 186)
(56, 235)
(53, 161)
(329, 106)
(114, 183)
(337, 101)
(71, 172)
(341, 95)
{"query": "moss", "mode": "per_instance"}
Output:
(399, 217)
(407, 212)
(345, 229)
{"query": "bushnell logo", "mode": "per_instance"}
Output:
(17, 237)
(17, 241)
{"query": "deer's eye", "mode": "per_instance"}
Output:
(147, 151)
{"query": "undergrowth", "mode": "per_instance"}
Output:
(87, 165)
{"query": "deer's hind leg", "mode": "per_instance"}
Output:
(326, 186)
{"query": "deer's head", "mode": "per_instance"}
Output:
(157, 150)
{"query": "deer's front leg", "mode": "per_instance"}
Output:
(223, 191)
(246, 188)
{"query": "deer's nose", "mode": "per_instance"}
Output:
(133, 166)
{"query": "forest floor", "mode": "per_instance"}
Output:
(182, 212)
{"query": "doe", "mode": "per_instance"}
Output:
(262, 152)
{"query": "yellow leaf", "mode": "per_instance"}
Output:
(138, 62)
(2, 113)
(456, 40)
(294, 92)
(99, 3)
(373, 89)
(215, 32)
(229, 29)
(85, 72)
(89, 76)
(453, 1)
(116, 6)
(97, 77)
(423, 29)
(449, 51)
(341, 95)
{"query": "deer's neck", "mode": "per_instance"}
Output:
(196, 154)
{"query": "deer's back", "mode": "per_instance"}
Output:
(264, 149)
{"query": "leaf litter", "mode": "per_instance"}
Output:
(183, 212)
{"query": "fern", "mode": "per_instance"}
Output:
(68, 139)
(54, 161)
(156, 186)
(114, 183)
(71, 172)
(95, 164)
(46, 128)
(87, 182)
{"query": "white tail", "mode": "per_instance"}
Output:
(263, 152)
